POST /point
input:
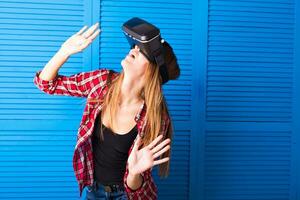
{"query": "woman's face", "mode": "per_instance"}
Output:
(135, 63)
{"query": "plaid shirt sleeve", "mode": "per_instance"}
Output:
(148, 189)
(78, 85)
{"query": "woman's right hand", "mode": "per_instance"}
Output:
(80, 40)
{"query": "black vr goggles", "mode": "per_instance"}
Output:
(147, 37)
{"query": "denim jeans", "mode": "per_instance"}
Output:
(97, 192)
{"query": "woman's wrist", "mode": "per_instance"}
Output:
(134, 180)
(62, 54)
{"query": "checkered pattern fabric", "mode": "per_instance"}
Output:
(92, 84)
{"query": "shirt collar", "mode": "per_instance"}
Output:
(141, 111)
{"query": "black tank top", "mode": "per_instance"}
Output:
(111, 154)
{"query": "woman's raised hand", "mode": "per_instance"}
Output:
(145, 158)
(80, 40)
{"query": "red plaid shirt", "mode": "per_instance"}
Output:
(92, 84)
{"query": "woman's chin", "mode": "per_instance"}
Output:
(124, 63)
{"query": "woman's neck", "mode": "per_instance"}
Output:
(130, 91)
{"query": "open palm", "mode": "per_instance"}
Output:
(80, 40)
(140, 160)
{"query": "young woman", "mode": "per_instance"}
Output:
(125, 129)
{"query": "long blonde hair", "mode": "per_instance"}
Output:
(156, 105)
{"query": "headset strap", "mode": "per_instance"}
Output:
(164, 73)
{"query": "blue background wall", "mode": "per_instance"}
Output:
(235, 107)
(248, 95)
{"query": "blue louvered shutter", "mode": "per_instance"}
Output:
(248, 132)
(38, 131)
(174, 20)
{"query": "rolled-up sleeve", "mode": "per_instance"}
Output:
(78, 84)
(147, 190)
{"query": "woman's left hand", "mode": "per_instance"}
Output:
(143, 159)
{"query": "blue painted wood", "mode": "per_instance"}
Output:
(248, 137)
(199, 57)
(235, 107)
(295, 178)
(38, 131)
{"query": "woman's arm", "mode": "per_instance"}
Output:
(48, 79)
(50, 70)
(134, 181)
(78, 85)
(138, 180)
(147, 189)
(76, 43)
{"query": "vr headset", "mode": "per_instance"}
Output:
(147, 37)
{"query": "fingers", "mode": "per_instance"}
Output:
(85, 44)
(157, 162)
(95, 34)
(160, 146)
(81, 30)
(90, 31)
(90, 39)
(154, 142)
(157, 154)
